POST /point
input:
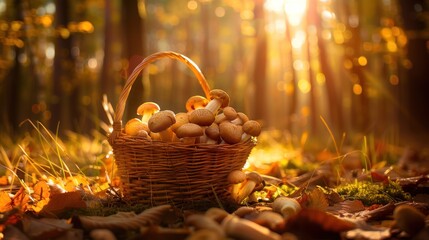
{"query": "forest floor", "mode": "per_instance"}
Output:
(66, 189)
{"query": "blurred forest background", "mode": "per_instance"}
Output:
(362, 65)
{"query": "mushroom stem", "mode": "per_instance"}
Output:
(213, 105)
(166, 135)
(204, 222)
(240, 228)
(286, 206)
(253, 180)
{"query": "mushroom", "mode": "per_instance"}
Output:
(241, 228)
(251, 128)
(189, 132)
(230, 133)
(218, 99)
(271, 220)
(199, 221)
(181, 118)
(409, 219)
(253, 181)
(202, 117)
(196, 102)
(236, 178)
(228, 113)
(217, 214)
(245, 212)
(161, 122)
(212, 133)
(286, 206)
(205, 234)
(135, 127)
(240, 119)
(102, 234)
(147, 109)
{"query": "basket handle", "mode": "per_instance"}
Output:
(120, 107)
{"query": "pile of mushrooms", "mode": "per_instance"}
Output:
(210, 121)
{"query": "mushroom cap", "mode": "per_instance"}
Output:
(220, 95)
(253, 176)
(229, 113)
(243, 117)
(286, 206)
(189, 130)
(212, 131)
(181, 118)
(161, 120)
(134, 125)
(148, 107)
(252, 127)
(230, 132)
(202, 117)
(236, 176)
(195, 102)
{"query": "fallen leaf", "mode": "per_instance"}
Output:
(20, 200)
(5, 202)
(366, 231)
(347, 206)
(63, 201)
(4, 181)
(41, 191)
(12, 232)
(123, 220)
(45, 228)
(316, 224)
(316, 199)
(162, 233)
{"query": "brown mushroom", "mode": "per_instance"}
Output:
(253, 180)
(251, 128)
(147, 109)
(202, 117)
(271, 220)
(196, 102)
(286, 206)
(181, 118)
(228, 113)
(205, 234)
(240, 228)
(218, 99)
(199, 221)
(212, 133)
(240, 119)
(135, 126)
(236, 178)
(230, 133)
(189, 132)
(409, 219)
(217, 214)
(161, 122)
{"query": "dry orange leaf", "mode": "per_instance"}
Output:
(4, 181)
(41, 191)
(124, 220)
(316, 224)
(45, 228)
(316, 199)
(63, 201)
(5, 202)
(20, 200)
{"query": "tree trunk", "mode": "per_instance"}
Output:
(64, 107)
(260, 67)
(133, 50)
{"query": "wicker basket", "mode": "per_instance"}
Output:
(184, 175)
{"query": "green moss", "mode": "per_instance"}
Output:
(373, 193)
